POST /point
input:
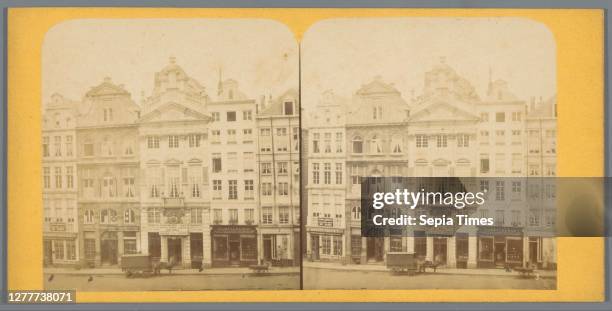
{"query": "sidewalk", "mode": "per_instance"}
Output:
(206, 271)
(454, 271)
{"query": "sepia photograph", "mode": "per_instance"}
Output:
(429, 97)
(171, 155)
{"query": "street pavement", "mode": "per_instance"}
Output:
(173, 282)
(317, 278)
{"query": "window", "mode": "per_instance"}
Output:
(231, 116)
(233, 190)
(216, 163)
(266, 189)
(249, 216)
(283, 215)
(484, 117)
(58, 177)
(338, 173)
(173, 141)
(46, 177)
(396, 144)
(69, 146)
(217, 188)
(377, 112)
(128, 186)
(357, 145)
(58, 249)
(463, 140)
(283, 188)
(215, 116)
(327, 173)
(57, 146)
(375, 145)
(500, 193)
(441, 141)
(315, 142)
(45, 146)
(129, 242)
(129, 216)
(152, 142)
(108, 216)
(500, 117)
(281, 131)
(516, 189)
(338, 142)
(315, 173)
(484, 165)
(356, 212)
(215, 136)
(108, 114)
(516, 116)
(217, 216)
(282, 168)
(421, 141)
(288, 108)
(499, 217)
(153, 215)
(266, 168)
(265, 132)
(327, 142)
(194, 140)
(247, 115)
(174, 180)
(326, 244)
(266, 215)
(247, 134)
(248, 189)
(231, 136)
(248, 161)
(89, 217)
(233, 216)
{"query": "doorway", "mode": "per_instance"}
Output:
(375, 248)
(196, 247)
(175, 251)
(108, 254)
(48, 252)
(314, 246)
(267, 247)
(439, 251)
(500, 253)
(234, 250)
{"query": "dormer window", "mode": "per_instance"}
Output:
(288, 108)
(108, 114)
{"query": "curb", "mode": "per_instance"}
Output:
(175, 274)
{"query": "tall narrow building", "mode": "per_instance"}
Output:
(60, 225)
(174, 160)
(278, 158)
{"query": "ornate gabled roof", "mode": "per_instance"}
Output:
(499, 91)
(181, 80)
(543, 109)
(187, 113)
(442, 78)
(377, 86)
(107, 88)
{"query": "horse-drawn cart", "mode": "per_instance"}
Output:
(136, 265)
(402, 262)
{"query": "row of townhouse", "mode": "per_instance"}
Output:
(449, 130)
(181, 176)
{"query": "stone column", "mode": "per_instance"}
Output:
(410, 244)
(451, 252)
(472, 252)
(186, 250)
(364, 250)
(164, 248)
(430, 249)
(206, 249)
(120, 249)
(525, 250)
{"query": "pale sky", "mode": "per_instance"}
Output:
(262, 55)
(343, 54)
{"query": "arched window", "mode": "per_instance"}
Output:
(357, 145)
(375, 145)
(89, 217)
(129, 216)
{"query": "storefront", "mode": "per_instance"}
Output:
(326, 244)
(233, 245)
(60, 250)
(500, 247)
